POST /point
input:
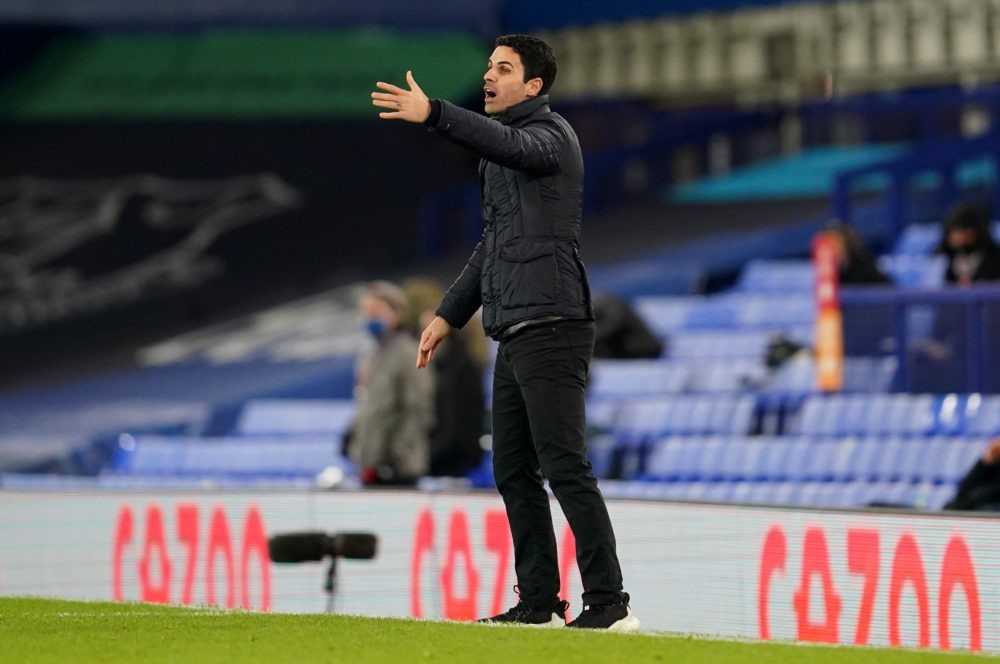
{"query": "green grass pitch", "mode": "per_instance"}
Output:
(45, 630)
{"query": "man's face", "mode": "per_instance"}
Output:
(504, 81)
(374, 308)
(961, 239)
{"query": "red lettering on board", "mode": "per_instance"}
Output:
(957, 570)
(816, 562)
(863, 559)
(155, 546)
(455, 607)
(772, 560)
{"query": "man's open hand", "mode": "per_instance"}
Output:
(411, 105)
(433, 335)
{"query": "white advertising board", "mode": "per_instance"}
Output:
(841, 577)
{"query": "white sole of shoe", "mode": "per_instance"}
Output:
(556, 621)
(626, 625)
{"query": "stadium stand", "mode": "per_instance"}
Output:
(266, 402)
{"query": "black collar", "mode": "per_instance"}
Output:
(525, 109)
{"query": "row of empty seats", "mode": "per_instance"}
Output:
(733, 311)
(641, 420)
(636, 411)
(799, 459)
(898, 414)
(296, 417)
(806, 494)
(624, 379)
(272, 439)
(299, 456)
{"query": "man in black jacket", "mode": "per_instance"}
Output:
(527, 276)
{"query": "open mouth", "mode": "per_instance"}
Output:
(490, 94)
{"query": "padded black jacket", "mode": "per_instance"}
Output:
(527, 263)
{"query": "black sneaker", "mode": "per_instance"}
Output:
(611, 617)
(522, 614)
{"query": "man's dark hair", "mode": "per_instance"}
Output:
(537, 57)
(970, 216)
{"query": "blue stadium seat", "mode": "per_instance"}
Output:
(710, 459)
(296, 416)
(694, 415)
(931, 464)
(818, 462)
(746, 465)
(617, 379)
(732, 375)
(863, 462)
(797, 376)
(820, 415)
(916, 456)
(982, 414)
(821, 494)
(776, 276)
(664, 315)
(602, 413)
(776, 311)
(695, 491)
(950, 415)
(783, 493)
(841, 459)
(796, 461)
(739, 458)
(911, 415)
(151, 455)
(918, 240)
(712, 313)
(857, 493)
(773, 464)
(641, 420)
(664, 462)
(878, 415)
(719, 492)
(914, 271)
(888, 462)
(960, 455)
(689, 458)
(719, 344)
(842, 495)
(938, 495)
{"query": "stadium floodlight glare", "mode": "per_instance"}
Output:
(314, 546)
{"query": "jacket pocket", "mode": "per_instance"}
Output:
(529, 274)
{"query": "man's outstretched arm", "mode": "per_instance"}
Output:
(411, 105)
(533, 148)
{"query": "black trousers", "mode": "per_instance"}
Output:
(538, 432)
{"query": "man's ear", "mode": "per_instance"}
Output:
(534, 87)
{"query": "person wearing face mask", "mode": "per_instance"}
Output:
(389, 439)
(973, 255)
(527, 276)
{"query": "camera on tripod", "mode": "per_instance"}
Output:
(314, 546)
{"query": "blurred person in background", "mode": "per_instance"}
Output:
(856, 265)
(527, 275)
(389, 438)
(972, 253)
(979, 490)
(459, 399)
(621, 333)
